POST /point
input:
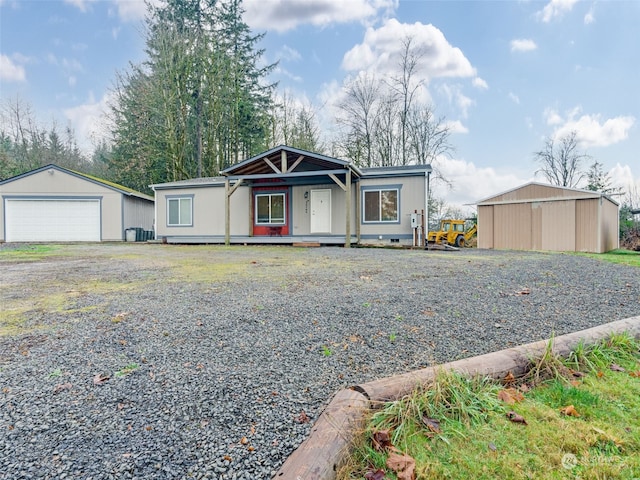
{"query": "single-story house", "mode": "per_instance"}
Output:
(536, 216)
(54, 204)
(288, 195)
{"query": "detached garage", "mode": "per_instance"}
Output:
(536, 216)
(53, 204)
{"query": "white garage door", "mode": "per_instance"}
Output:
(52, 220)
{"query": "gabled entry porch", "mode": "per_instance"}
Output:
(294, 194)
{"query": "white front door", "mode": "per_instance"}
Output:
(321, 211)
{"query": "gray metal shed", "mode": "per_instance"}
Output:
(536, 216)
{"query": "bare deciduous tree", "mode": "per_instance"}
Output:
(359, 111)
(561, 161)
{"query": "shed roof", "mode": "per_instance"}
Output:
(535, 191)
(99, 181)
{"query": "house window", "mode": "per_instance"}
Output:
(270, 209)
(380, 206)
(179, 211)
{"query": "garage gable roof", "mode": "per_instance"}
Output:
(90, 178)
(536, 192)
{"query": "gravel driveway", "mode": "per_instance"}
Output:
(155, 361)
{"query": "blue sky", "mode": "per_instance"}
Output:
(505, 74)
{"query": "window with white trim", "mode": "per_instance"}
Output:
(180, 212)
(380, 206)
(270, 209)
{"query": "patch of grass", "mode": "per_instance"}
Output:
(27, 253)
(326, 351)
(19, 316)
(477, 440)
(625, 257)
(124, 371)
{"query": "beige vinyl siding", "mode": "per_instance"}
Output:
(208, 212)
(411, 197)
(300, 208)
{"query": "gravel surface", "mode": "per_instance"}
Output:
(154, 361)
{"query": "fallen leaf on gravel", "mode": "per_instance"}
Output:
(148, 428)
(11, 427)
(127, 455)
(432, 424)
(524, 291)
(616, 368)
(6, 390)
(509, 379)
(99, 379)
(253, 430)
(381, 440)
(251, 448)
(374, 474)
(510, 396)
(403, 465)
(570, 411)
(244, 440)
(515, 418)
(227, 458)
(302, 418)
(61, 386)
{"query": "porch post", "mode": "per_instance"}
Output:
(347, 242)
(227, 215)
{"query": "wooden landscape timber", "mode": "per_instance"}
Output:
(321, 454)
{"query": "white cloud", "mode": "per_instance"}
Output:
(480, 83)
(523, 45)
(11, 71)
(72, 81)
(591, 130)
(133, 10)
(514, 98)
(456, 97)
(622, 177)
(87, 121)
(83, 5)
(382, 48)
(555, 9)
(589, 18)
(283, 15)
(289, 54)
(456, 126)
(472, 183)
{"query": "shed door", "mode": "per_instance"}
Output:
(320, 211)
(50, 220)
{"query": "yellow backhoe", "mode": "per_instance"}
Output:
(452, 232)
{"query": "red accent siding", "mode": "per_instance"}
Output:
(271, 230)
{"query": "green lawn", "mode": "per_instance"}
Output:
(459, 427)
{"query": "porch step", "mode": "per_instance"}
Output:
(306, 244)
